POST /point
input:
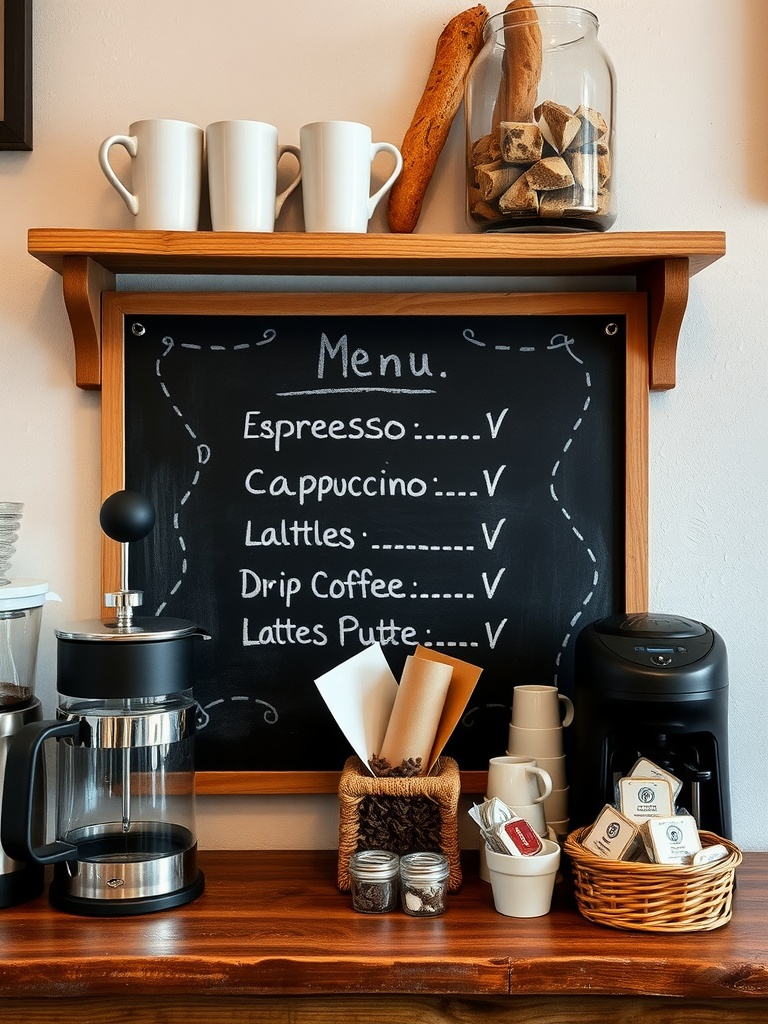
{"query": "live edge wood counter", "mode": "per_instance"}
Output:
(272, 939)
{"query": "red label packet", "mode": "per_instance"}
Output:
(519, 838)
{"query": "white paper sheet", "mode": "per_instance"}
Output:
(360, 693)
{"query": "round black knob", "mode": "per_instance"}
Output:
(127, 516)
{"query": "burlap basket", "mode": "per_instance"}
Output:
(399, 815)
(653, 897)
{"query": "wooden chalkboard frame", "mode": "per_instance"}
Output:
(117, 305)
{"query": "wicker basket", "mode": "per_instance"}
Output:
(400, 815)
(653, 897)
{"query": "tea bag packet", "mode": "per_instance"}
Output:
(614, 837)
(519, 838)
(709, 855)
(504, 831)
(673, 840)
(645, 769)
(488, 815)
(642, 798)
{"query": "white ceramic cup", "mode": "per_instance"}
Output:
(336, 162)
(559, 828)
(535, 743)
(555, 767)
(242, 175)
(523, 886)
(166, 170)
(517, 781)
(540, 707)
(556, 805)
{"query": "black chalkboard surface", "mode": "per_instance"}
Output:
(327, 475)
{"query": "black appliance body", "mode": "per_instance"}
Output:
(654, 686)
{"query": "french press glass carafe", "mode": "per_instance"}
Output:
(125, 817)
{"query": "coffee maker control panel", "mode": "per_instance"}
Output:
(655, 640)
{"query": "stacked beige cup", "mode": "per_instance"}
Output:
(539, 715)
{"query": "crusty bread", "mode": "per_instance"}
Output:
(458, 45)
(521, 67)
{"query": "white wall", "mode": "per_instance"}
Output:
(694, 156)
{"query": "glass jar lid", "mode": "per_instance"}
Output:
(424, 867)
(374, 865)
(25, 592)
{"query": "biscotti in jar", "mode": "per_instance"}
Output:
(540, 123)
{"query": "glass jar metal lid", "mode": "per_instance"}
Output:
(374, 865)
(424, 867)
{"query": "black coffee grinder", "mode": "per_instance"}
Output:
(655, 686)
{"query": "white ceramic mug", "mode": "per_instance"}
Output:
(242, 175)
(523, 886)
(539, 707)
(556, 805)
(517, 781)
(556, 769)
(336, 163)
(166, 170)
(535, 743)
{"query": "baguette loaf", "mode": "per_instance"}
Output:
(521, 68)
(458, 45)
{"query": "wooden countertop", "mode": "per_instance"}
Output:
(274, 924)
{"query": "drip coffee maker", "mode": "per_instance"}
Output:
(654, 686)
(125, 818)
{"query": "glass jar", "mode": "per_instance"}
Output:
(373, 876)
(540, 124)
(423, 883)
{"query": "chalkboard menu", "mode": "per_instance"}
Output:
(335, 471)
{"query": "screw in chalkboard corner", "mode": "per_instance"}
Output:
(611, 329)
(138, 329)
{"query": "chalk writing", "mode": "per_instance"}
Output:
(324, 484)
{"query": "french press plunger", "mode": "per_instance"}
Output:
(125, 819)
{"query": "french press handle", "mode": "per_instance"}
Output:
(23, 762)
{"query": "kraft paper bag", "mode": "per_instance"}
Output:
(416, 712)
(463, 682)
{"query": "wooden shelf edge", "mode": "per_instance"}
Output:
(662, 263)
(301, 253)
(283, 783)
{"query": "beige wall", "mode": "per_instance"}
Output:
(694, 156)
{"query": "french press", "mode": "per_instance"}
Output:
(125, 818)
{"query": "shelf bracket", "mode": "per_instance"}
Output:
(83, 282)
(666, 283)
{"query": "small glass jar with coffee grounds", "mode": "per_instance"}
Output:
(374, 875)
(423, 883)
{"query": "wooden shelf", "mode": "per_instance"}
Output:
(661, 263)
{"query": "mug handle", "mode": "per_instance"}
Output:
(284, 195)
(546, 781)
(130, 142)
(568, 705)
(384, 147)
